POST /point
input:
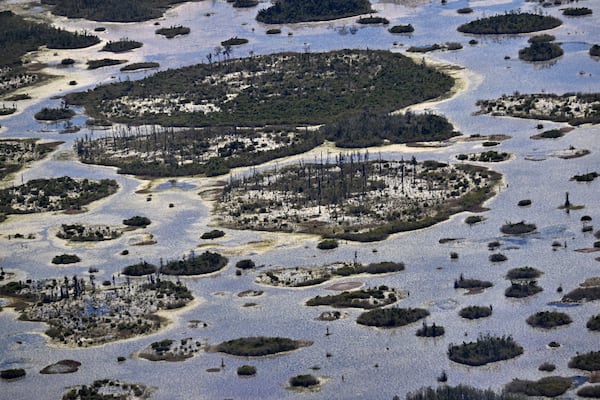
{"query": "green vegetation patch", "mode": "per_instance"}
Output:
(137, 221)
(108, 389)
(55, 194)
(432, 330)
(576, 11)
(111, 10)
(444, 392)
(18, 153)
(510, 23)
(593, 323)
(475, 312)
(288, 88)
(259, 346)
(87, 233)
(518, 228)
(589, 177)
(104, 62)
(246, 370)
(595, 50)
(391, 317)
(523, 273)
(66, 259)
(371, 20)
(402, 29)
(327, 244)
(291, 11)
(521, 290)
(587, 361)
(548, 319)
(121, 46)
(591, 391)
(234, 41)
(304, 381)
(550, 386)
(485, 350)
(19, 36)
(473, 219)
(12, 373)
(366, 298)
(139, 269)
(214, 234)
(140, 65)
(172, 31)
(582, 294)
(54, 114)
(204, 263)
(466, 283)
(540, 51)
(486, 156)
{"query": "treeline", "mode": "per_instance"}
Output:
(510, 23)
(111, 10)
(290, 11)
(369, 129)
(19, 36)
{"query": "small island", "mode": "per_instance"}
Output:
(475, 312)
(402, 29)
(66, 259)
(365, 299)
(471, 284)
(83, 314)
(54, 114)
(88, 233)
(587, 361)
(234, 41)
(550, 386)
(171, 350)
(104, 62)
(111, 10)
(548, 319)
(121, 46)
(259, 346)
(518, 228)
(391, 317)
(62, 367)
(510, 23)
(523, 273)
(486, 156)
(173, 31)
(140, 269)
(139, 66)
(16, 154)
(292, 11)
(485, 350)
(55, 194)
(107, 389)
(522, 289)
(193, 264)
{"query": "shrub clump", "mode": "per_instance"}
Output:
(475, 312)
(245, 264)
(550, 386)
(401, 29)
(523, 273)
(547, 367)
(464, 283)
(246, 370)
(548, 319)
(258, 346)
(486, 349)
(497, 257)
(12, 373)
(520, 290)
(137, 221)
(327, 244)
(524, 203)
(430, 331)
(139, 269)
(473, 219)
(303, 381)
(587, 361)
(204, 263)
(391, 317)
(66, 259)
(518, 228)
(593, 323)
(458, 392)
(590, 391)
(214, 234)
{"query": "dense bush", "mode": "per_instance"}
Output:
(547, 367)
(475, 312)
(595, 50)
(139, 269)
(12, 373)
(593, 323)
(548, 319)
(485, 350)
(520, 290)
(204, 263)
(111, 10)
(54, 114)
(214, 234)
(327, 244)
(137, 221)
(587, 361)
(430, 331)
(245, 264)
(524, 203)
(473, 219)
(517, 228)
(592, 391)
(510, 23)
(66, 259)
(577, 11)
(550, 386)
(540, 51)
(366, 298)
(291, 11)
(234, 41)
(246, 370)
(391, 317)
(523, 273)
(402, 29)
(303, 381)
(173, 31)
(465, 283)
(121, 46)
(460, 392)
(104, 62)
(258, 346)
(373, 20)
(497, 257)
(582, 294)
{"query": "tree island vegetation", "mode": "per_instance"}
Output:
(460, 392)
(365, 299)
(518, 228)
(289, 88)
(17, 153)
(391, 317)
(140, 65)
(54, 194)
(104, 62)
(523, 273)
(540, 51)
(291, 11)
(259, 346)
(550, 386)
(66, 259)
(193, 264)
(108, 389)
(111, 10)
(54, 114)
(353, 197)
(140, 269)
(172, 31)
(475, 312)
(171, 350)
(510, 23)
(587, 361)
(80, 313)
(121, 46)
(522, 289)
(87, 233)
(548, 319)
(486, 349)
